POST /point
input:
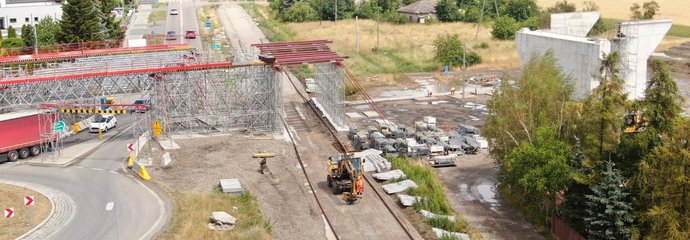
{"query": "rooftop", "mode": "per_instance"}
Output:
(420, 7)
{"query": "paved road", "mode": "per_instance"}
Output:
(186, 20)
(93, 182)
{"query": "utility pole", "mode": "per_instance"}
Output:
(357, 34)
(336, 10)
(464, 69)
(35, 40)
(377, 29)
(498, 15)
(481, 18)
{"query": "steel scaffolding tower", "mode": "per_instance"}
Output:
(330, 91)
(235, 98)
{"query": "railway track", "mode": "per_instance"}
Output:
(341, 146)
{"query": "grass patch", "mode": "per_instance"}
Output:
(12, 197)
(157, 16)
(160, 4)
(430, 187)
(192, 210)
(678, 30)
(274, 29)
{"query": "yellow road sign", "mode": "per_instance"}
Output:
(157, 128)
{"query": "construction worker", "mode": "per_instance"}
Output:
(452, 91)
(359, 187)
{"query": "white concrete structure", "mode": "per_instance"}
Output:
(581, 57)
(574, 23)
(16, 13)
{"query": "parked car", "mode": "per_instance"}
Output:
(103, 123)
(190, 34)
(173, 11)
(141, 109)
(171, 35)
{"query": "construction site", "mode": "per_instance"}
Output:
(317, 163)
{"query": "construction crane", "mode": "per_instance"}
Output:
(344, 174)
(635, 122)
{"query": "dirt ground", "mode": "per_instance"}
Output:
(283, 197)
(13, 197)
(470, 186)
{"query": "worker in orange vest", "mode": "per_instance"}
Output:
(359, 187)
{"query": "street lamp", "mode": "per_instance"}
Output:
(108, 207)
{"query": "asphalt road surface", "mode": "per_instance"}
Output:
(95, 181)
(184, 21)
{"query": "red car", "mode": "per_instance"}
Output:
(190, 34)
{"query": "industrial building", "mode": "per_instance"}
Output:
(581, 57)
(16, 13)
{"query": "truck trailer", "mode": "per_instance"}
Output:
(20, 134)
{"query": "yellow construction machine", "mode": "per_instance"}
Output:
(635, 122)
(344, 171)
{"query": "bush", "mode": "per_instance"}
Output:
(447, 11)
(472, 14)
(448, 50)
(394, 17)
(300, 12)
(12, 43)
(532, 23)
(483, 45)
(504, 28)
(11, 33)
(430, 20)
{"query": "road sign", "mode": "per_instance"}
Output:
(157, 128)
(208, 24)
(216, 45)
(9, 212)
(28, 200)
(130, 147)
(58, 126)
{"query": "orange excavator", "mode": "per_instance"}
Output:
(345, 176)
(635, 122)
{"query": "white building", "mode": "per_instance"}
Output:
(16, 13)
(581, 57)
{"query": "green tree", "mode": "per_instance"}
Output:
(28, 35)
(81, 21)
(521, 10)
(662, 102)
(447, 11)
(46, 31)
(647, 11)
(603, 112)
(11, 32)
(280, 6)
(590, 6)
(609, 215)
(327, 10)
(504, 28)
(300, 12)
(539, 100)
(449, 51)
(664, 180)
(540, 167)
(562, 7)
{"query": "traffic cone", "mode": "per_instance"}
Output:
(76, 129)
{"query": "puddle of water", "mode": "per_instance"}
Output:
(438, 102)
(422, 103)
(427, 84)
(487, 192)
(360, 107)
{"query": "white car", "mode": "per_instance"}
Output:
(173, 11)
(103, 123)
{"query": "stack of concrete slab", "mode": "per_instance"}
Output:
(440, 233)
(390, 175)
(407, 200)
(373, 160)
(399, 186)
(231, 185)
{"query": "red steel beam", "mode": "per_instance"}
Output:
(52, 105)
(119, 72)
(91, 52)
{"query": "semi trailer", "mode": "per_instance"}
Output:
(20, 134)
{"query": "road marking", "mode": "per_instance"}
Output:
(113, 171)
(99, 169)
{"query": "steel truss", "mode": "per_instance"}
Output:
(330, 91)
(236, 98)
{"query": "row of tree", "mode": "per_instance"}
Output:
(313, 10)
(82, 20)
(573, 159)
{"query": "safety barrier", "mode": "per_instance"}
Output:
(103, 111)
